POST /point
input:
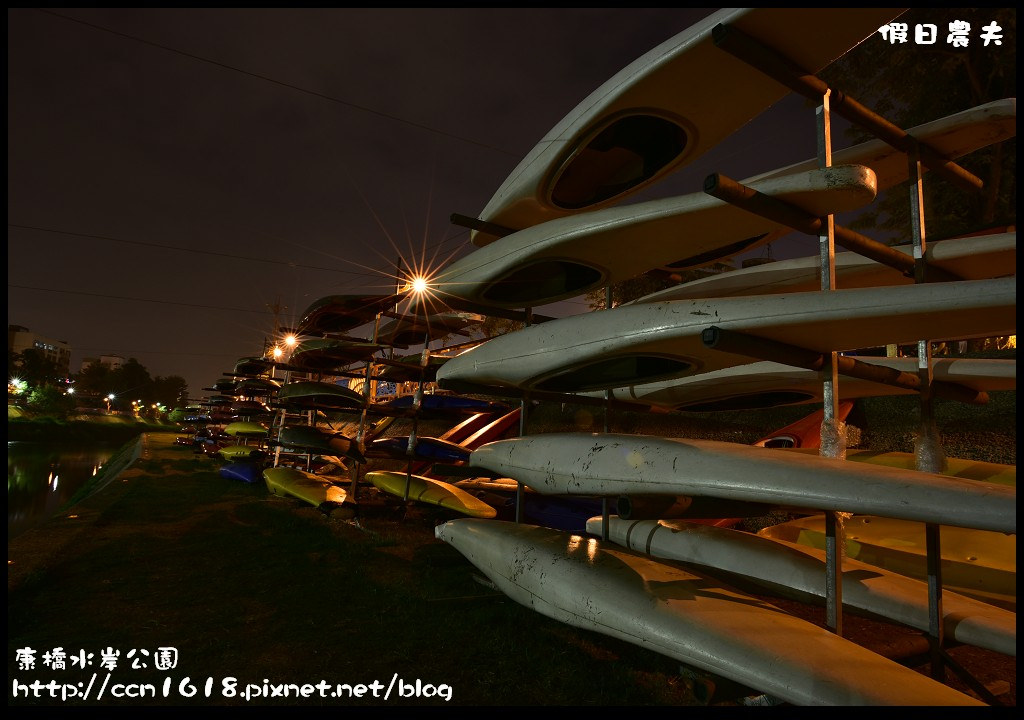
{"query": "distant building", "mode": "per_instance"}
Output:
(111, 362)
(20, 339)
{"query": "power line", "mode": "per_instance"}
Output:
(167, 48)
(132, 353)
(230, 256)
(377, 274)
(137, 299)
(446, 240)
(283, 84)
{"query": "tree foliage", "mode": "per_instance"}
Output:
(647, 283)
(131, 381)
(170, 390)
(627, 290)
(50, 400)
(910, 84)
(494, 326)
(35, 368)
(94, 379)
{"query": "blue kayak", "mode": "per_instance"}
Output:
(247, 472)
(561, 513)
(427, 448)
(440, 404)
(557, 512)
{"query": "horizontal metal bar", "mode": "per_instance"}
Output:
(765, 349)
(457, 303)
(477, 224)
(465, 471)
(747, 198)
(782, 69)
(461, 386)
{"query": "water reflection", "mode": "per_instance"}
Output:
(42, 477)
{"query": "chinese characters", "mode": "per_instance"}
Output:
(958, 35)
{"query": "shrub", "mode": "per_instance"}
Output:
(50, 400)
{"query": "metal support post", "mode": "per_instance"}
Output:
(832, 444)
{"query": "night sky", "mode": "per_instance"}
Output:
(175, 175)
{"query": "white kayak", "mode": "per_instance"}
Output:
(666, 109)
(952, 137)
(616, 464)
(970, 258)
(647, 342)
(685, 615)
(569, 256)
(770, 384)
(798, 571)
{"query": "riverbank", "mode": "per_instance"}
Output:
(247, 586)
(24, 427)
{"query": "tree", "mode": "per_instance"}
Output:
(169, 391)
(911, 84)
(94, 379)
(132, 381)
(647, 283)
(36, 369)
(494, 326)
(50, 400)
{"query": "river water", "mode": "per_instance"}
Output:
(43, 476)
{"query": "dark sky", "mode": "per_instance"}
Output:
(175, 174)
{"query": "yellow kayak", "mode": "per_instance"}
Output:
(977, 563)
(433, 492)
(314, 489)
(956, 467)
(242, 452)
(246, 430)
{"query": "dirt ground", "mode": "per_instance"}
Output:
(257, 590)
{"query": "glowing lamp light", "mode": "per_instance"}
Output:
(419, 285)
